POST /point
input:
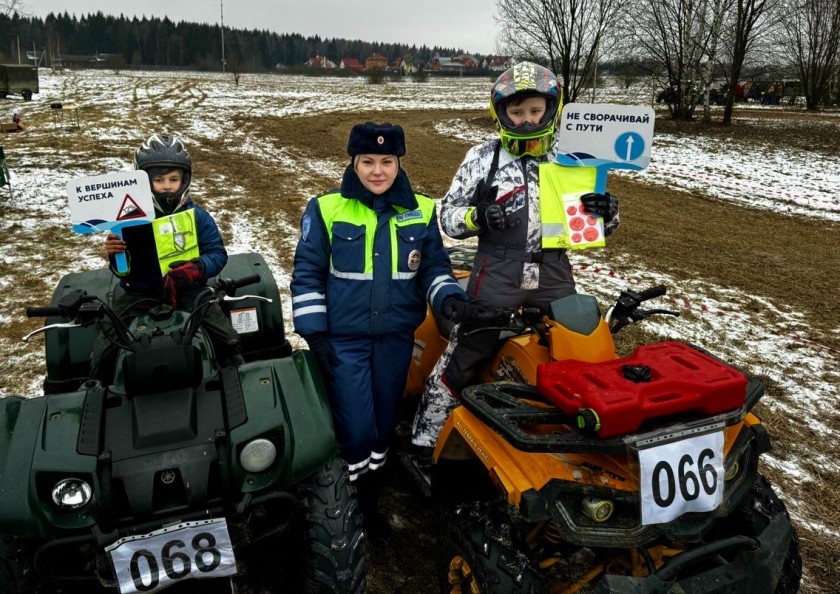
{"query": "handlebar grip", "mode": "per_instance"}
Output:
(484, 316)
(246, 280)
(43, 312)
(657, 291)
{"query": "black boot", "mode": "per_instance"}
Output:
(367, 490)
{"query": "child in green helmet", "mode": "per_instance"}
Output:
(495, 196)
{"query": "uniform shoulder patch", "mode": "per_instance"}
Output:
(305, 226)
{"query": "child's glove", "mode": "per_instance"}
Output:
(457, 310)
(182, 276)
(488, 214)
(604, 205)
(185, 274)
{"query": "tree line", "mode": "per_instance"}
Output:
(163, 43)
(684, 46)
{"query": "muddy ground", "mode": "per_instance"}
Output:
(744, 253)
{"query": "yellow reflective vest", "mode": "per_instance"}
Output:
(176, 238)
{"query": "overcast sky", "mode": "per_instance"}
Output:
(468, 24)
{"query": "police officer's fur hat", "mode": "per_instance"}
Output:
(376, 139)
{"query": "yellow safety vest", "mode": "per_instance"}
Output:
(176, 238)
(335, 208)
(560, 186)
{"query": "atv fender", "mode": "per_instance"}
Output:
(285, 402)
(38, 446)
(263, 335)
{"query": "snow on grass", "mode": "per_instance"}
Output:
(766, 337)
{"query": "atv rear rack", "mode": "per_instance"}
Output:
(524, 418)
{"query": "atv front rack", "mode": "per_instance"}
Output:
(528, 422)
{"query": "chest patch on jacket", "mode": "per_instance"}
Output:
(407, 216)
(414, 260)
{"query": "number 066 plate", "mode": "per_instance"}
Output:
(681, 476)
(150, 562)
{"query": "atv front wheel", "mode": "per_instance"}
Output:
(480, 554)
(759, 508)
(335, 559)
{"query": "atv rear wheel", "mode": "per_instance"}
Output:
(759, 508)
(335, 559)
(480, 553)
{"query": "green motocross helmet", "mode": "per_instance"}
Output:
(524, 80)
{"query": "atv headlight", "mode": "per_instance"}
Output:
(597, 510)
(257, 455)
(71, 493)
(733, 471)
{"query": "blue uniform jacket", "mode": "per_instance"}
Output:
(144, 270)
(324, 302)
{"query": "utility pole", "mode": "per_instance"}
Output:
(222, 8)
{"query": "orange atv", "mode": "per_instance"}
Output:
(573, 470)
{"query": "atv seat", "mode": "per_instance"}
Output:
(164, 368)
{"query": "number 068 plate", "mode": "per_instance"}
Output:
(150, 562)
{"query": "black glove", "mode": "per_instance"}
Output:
(320, 346)
(488, 214)
(604, 205)
(457, 310)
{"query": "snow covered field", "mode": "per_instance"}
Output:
(741, 327)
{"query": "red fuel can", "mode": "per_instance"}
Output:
(655, 381)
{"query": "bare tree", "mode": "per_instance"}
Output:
(567, 34)
(747, 21)
(679, 36)
(810, 34)
(8, 7)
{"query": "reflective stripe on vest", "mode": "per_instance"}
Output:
(559, 184)
(176, 238)
(337, 209)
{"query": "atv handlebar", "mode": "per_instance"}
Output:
(85, 310)
(229, 286)
(626, 309)
(657, 291)
(43, 312)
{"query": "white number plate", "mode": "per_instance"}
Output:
(150, 562)
(681, 476)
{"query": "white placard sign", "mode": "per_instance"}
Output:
(106, 201)
(681, 476)
(603, 134)
(110, 203)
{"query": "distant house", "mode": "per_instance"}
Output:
(320, 62)
(407, 64)
(469, 62)
(87, 59)
(352, 64)
(451, 63)
(376, 62)
(498, 63)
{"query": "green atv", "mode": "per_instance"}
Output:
(179, 468)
